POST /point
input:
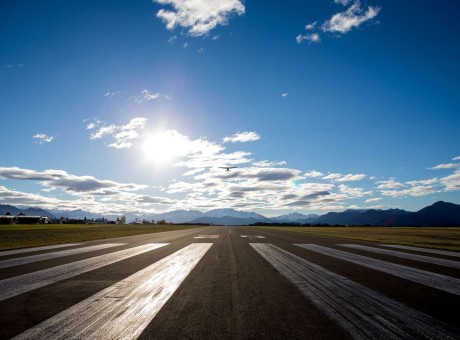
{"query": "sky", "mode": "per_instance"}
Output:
(133, 106)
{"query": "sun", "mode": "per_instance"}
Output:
(163, 147)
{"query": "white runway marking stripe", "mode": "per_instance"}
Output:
(362, 312)
(424, 250)
(420, 258)
(42, 257)
(438, 281)
(122, 311)
(27, 282)
(207, 236)
(31, 250)
(252, 236)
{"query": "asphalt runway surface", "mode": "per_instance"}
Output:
(229, 283)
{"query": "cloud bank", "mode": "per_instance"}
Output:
(198, 17)
(242, 137)
(41, 138)
(340, 23)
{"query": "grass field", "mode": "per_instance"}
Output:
(438, 238)
(22, 236)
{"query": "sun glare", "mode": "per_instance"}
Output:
(164, 147)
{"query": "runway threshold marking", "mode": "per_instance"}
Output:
(42, 257)
(438, 281)
(34, 249)
(360, 311)
(207, 236)
(409, 256)
(424, 250)
(123, 310)
(24, 283)
(252, 236)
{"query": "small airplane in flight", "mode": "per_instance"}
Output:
(227, 168)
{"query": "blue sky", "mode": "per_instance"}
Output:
(115, 106)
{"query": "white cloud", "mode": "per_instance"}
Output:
(256, 174)
(332, 176)
(93, 123)
(69, 182)
(103, 131)
(8, 196)
(312, 38)
(342, 2)
(313, 174)
(111, 94)
(414, 191)
(311, 26)
(242, 137)
(350, 177)
(339, 23)
(181, 187)
(181, 146)
(13, 66)
(389, 184)
(370, 200)
(354, 16)
(198, 16)
(265, 164)
(123, 134)
(193, 172)
(353, 192)
(101, 203)
(456, 158)
(285, 94)
(446, 166)
(452, 182)
(41, 138)
(146, 96)
(423, 182)
(344, 178)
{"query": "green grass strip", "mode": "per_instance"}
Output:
(24, 236)
(435, 238)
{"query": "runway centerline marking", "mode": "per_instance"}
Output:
(42, 257)
(420, 258)
(123, 310)
(207, 236)
(24, 283)
(362, 312)
(34, 249)
(438, 281)
(424, 250)
(252, 236)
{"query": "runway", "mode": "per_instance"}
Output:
(229, 283)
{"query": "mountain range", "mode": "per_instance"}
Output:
(438, 214)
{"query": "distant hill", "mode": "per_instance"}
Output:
(295, 218)
(437, 214)
(178, 216)
(362, 217)
(37, 212)
(236, 214)
(77, 214)
(5, 208)
(216, 216)
(226, 220)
